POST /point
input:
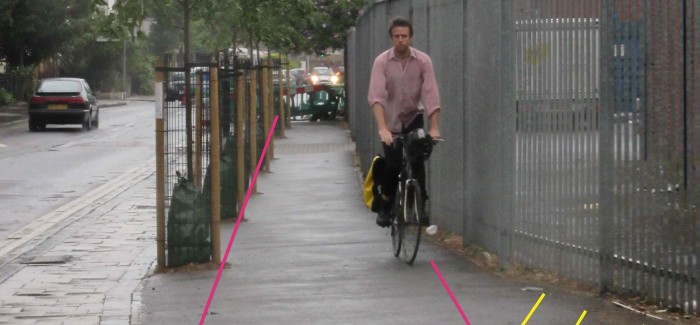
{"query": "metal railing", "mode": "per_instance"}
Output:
(210, 132)
(573, 130)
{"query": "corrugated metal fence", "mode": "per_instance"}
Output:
(572, 133)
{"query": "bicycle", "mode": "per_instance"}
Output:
(408, 207)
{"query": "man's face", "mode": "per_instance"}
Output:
(401, 38)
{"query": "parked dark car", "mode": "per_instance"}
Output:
(63, 101)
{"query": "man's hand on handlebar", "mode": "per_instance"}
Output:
(386, 137)
(435, 135)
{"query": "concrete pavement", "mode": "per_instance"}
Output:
(309, 254)
(88, 267)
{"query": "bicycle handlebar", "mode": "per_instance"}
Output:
(402, 136)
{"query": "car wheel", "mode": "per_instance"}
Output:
(87, 122)
(36, 126)
(33, 125)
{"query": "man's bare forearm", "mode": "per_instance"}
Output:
(434, 121)
(384, 133)
(378, 111)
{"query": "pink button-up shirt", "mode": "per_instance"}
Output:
(402, 90)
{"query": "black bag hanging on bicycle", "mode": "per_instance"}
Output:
(370, 188)
(419, 145)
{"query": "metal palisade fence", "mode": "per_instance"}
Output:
(572, 133)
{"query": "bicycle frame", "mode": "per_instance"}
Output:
(406, 228)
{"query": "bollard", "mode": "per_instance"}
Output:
(265, 109)
(280, 94)
(160, 169)
(240, 139)
(288, 121)
(253, 123)
(215, 159)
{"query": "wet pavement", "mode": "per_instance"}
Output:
(309, 253)
(312, 254)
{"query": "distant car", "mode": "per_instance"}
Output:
(276, 77)
(176, 86)
(323, 76)
(298, 76)
(63, 101)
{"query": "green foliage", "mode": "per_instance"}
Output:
(140, 66)
(6, 98)
(164, 37)
(330, 32)
(292, 26)
(33, 30)
(125, 19)
(25, 81)
(81, 58)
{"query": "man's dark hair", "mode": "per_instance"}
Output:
(401, 22)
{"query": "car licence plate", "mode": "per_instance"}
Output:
(58, 106)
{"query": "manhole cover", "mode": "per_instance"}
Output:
(49, 260)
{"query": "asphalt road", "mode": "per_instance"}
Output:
(44, 170)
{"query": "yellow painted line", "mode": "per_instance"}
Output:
(532, 311)
(583, 314)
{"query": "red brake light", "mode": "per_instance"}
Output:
(55, 99)
(36, 100)
(76, 100)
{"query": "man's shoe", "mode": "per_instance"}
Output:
(383, 219)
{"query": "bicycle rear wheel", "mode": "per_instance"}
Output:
(396, 225)
(411, 223)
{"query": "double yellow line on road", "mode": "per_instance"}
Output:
(532, 311)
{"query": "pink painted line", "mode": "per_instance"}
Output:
(449, 292)
(238, 222)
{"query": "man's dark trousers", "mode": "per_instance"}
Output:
(393, 156)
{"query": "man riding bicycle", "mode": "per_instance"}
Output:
(402, 87)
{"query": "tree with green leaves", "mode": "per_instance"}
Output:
(330, 32)
(285, 25)
(34, 30)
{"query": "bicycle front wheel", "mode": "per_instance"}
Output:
(411, 221)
